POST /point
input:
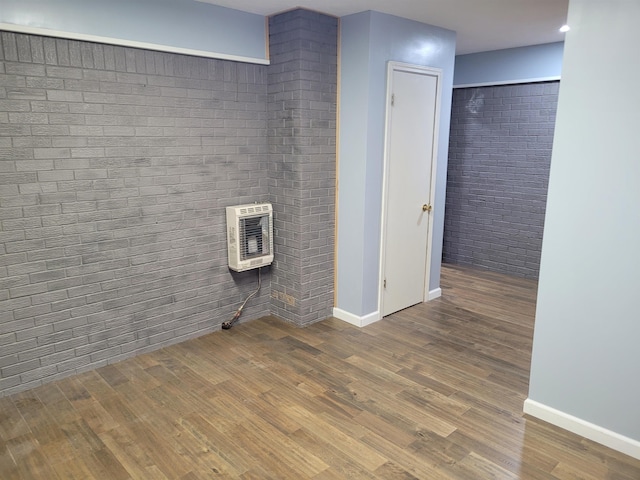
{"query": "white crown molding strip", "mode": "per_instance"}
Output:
(509, 82)
(613, 440)
(10, 27)
(355, 319)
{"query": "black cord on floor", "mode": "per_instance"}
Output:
(229, 323)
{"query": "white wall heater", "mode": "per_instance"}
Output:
(250, 236)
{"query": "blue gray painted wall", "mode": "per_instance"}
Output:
(354, 51)
(586, 360)
(368, 41)
(512, 65)
(184, 24)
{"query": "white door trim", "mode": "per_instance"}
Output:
(437, 72)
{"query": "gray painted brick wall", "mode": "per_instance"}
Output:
(302, 146)
(115, 168)
(499, 157)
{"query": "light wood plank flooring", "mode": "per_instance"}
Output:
(432, 392)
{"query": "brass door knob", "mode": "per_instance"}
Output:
(426, 208)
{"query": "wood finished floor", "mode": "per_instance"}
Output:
(433, 392)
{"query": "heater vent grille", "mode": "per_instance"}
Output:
(250, 236)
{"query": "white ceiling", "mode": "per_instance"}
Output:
(481, 24)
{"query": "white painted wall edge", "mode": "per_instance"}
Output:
(613, 440)
(9, 27)
(435, 293)
(509, 82)
(355, 319)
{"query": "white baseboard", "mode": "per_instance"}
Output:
(435, 293)
(583, 428)
(374, 316)
(355, 319)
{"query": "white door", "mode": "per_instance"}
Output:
(412, 111)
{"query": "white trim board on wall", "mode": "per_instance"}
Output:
(509, 82)
(613, 440)
(9, 27)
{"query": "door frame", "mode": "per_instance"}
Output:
(393, 66)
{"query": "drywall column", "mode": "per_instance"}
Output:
(586, 361)
(302, 134)
(368, 41)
